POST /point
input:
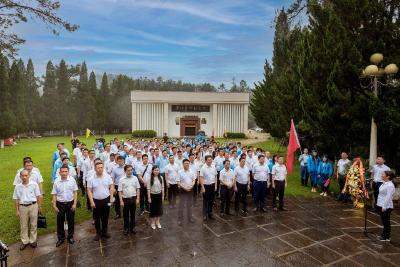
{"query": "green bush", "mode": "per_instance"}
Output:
(144, 133)
(235, 135)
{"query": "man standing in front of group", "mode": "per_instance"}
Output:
(129, 193)
(64, 203)
(26, 196)
(279, 183)
(261, 175)
(242, 177)
(116, 174)
(227, 178)
(143, 171)
(100, 191)
(208, 182)
(186, 180)
(171, 175)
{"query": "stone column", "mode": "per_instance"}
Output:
(165, 118)
(134, 120)
(215, 120)
(245, 117)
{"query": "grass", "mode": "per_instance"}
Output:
(41, 151)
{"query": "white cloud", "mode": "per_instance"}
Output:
(193, 42)
(101, 50)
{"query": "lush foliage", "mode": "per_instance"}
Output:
(144, 133)
(235, 135)
(314, 76)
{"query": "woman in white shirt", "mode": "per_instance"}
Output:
(385, 203)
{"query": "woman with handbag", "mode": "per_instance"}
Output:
(325, 172)
(155, 192)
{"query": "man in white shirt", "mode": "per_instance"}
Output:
(303, 159)
(116, 174)
(195, 169)
(279, 183)
(72, 171)
(377, 171)
(143, 172)
(242, 178)
(86, 166)
(105, 155)
(128, 193)
(186, 180)
(100, 190)
(342, 167)
(179, 159)
(26, 196)
(227, 178)
(261, 175)
(171, 176)
(34, 176)
(64, 203)
(219, 165)
(208, 182)
(77, 153)
(250, 161)
(115, 146)
(110, 163)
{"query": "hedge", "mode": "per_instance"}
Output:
(235, 135)
(144, 133)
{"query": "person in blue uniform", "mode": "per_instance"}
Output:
(325, 172)
(312, 165)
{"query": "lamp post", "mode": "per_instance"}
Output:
(373, 73)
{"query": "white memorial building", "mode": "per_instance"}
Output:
(186, 113)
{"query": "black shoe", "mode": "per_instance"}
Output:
(106, 236)
(33, 245)
(282, 209)
(133, 231)
(236, 213)
(117, 217)
(71, 240)
(23, 246)
(262, 210)
(126, 231)
(211, 218)
(256, 209)
(228, 213)
(96, 238)
(222, 214)
(191, 220)
(59, 242)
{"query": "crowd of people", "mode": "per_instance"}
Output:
(147, 174)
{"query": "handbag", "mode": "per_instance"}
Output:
(41, 223)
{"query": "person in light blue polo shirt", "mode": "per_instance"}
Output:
(56, 154)
(57, 164)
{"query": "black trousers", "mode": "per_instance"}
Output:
(280, 192)
(226, 195)
(218, 184)
(385, 217)
(80, 182)
(144, 198)
(196, 190)
(241, 196)
(185, 200)
(88, 206)
(375, 186)
(251, 184)
(172, 193)
(165, 186)
(117, 205)
(342, 182)
(65, 212)
(128, 212)
(101, 214)
(208, 199)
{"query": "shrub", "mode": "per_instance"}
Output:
(235, 135)
(144, 133)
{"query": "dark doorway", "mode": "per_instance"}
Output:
(190, 125)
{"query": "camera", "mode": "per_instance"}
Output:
(3, 247)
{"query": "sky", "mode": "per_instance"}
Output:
(192, 41)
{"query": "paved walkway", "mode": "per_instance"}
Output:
(313, 232)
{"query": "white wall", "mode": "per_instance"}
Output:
(174, 130)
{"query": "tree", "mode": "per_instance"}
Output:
(18, 84)
(103, 105)
(7, 118)
(49, 99)
(243, 87)
(86, 100)
(17, 11)
(93, 93)
(64, 94)
(33, 101)
(221, 88)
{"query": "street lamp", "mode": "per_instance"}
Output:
(372, 74)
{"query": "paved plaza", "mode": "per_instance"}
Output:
(313, 232)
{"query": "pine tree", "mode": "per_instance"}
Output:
(50, 100)
(86, 100)
(7, 117)
(93, 92)
(64, 94)
(103, 105)
(18, 85)
(33, 101)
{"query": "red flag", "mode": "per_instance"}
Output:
(294, 144)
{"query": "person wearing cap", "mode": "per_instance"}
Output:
(27, 195)
(65, 198)
(303, 159)
(312, 164)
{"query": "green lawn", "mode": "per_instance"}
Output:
(41, 151)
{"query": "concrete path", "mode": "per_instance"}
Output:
(313, 232)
